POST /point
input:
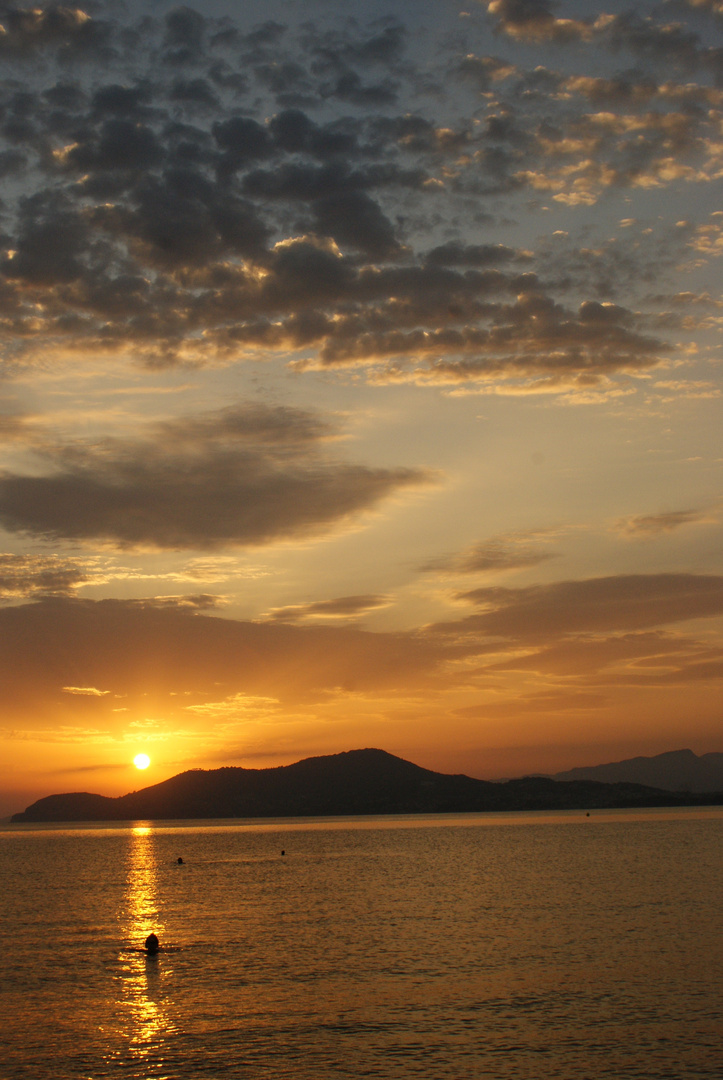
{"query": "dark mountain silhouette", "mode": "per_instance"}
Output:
(355, 782)
(678, 770)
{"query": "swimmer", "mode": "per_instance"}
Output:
(179, 860)
(151, 945)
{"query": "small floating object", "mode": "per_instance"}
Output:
(283, 852)
(179, 860)
(151, 944)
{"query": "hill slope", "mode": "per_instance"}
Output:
(354, 782)
(678, 770)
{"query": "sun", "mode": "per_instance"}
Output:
(141, 761)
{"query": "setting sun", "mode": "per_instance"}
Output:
(141, 761)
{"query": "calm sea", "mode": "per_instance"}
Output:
(505, 947)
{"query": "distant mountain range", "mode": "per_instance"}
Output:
(355, 782)
(678, 770)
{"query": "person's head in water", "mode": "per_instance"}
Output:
(151, 945)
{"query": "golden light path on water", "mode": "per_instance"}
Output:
(142, 999)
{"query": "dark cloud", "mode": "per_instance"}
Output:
(183, 219)
(350, 87)
(667, 43)
(457, 309)
(126, 101)
(53, 244)
(484, 71)
(70, 31)
(289, 82)
(533, 336)
(119, 144)
(294, 132)
(242, 140)
(175, 205)
(355, 220)
(269, 33)
(185, 28)
(194, 92)
(244, 476)
(12, 161)
(535, 20)
(596, 605)
(645, 36)
(338, 48)
(457, 254)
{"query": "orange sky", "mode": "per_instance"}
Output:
(360, 386)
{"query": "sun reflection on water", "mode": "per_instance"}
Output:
(141, 901)
(143, 998)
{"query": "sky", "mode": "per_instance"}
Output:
(360, 385)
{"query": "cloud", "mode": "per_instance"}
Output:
(651, 659)
(40, 575)
(36, 576)
(533, 20)
(655, 41)
(219, 568)
(159, 660)
(84, 691)
(189, 198)
(246, 475)
(581, 656)
(692, 389)
(500, 553)
(596, 605)
(71, 31)
(479, 255)
(194, 602)
(343, 607)
(715, 7)
(659, 42)
(646, 525)
(531, 336)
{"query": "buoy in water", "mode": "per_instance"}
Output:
(151, 944)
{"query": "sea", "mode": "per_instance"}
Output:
(504, 947)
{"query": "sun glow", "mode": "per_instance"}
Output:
(141, 761)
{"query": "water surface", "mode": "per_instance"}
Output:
(506, 946)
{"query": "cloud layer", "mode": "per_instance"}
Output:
(247, 475)
(182, 189)
(620, 603)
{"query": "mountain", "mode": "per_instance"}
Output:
(355, 782)
(678, 770)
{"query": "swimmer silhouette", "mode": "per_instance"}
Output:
(179, 860)
(151, 945)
